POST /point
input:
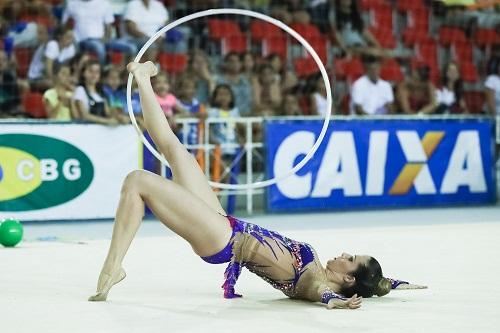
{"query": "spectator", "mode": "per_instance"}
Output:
(59, 50)
(350, 31)
(115, 94)
(267, 92)
(450, 95)
(168, 102)
(89, 101)
(492, 84)
(198, 71)
(286, 78)
(370, 95)
(93, 29)
(290, 105)
(318, 102)
(417, 94)
(223, 105)
(188, 101)
(239, 83)
(24, 33)
(57, 101)
(248, 64)
(10, 97)
(77, 63)
(290, 11)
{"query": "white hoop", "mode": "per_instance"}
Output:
(258, 16)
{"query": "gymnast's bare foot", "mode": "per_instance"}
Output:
(144, 70)
(106, 281)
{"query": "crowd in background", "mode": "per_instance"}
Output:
(73, 42)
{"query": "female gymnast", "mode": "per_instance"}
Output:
(188, 206)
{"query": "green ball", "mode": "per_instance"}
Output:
(11, 232)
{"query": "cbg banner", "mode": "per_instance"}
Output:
(63, 171)
(381, 163)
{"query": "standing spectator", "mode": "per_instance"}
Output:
(198, 71)
(492, 85)
(239, 83)
(57, 101)
(350, 31)
(417, 94)
(9, 92)
(370, 94)
(450, 95)
(267, 92)
(319, 105)
(59, 50)
(89, 100)
(93, 29)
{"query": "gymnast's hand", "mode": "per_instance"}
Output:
(351, 303)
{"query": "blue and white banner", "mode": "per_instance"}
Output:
(381, 163)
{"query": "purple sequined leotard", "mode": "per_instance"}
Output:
(276, 259)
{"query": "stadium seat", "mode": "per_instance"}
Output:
(475, 101)
(33, 105)
(23, 60)
(305, 67)
(365, 5)
(462, 51)
(235, 43)
(414, 36)
(173, 63)
(218, 29)
(384, 37)
(275, 45)
(449, 35)
(391, 71)
(116, 58)
(382, 16)
(350, 69)
(468, 71)
(308, 31)
(408, 5)
(485, 37)
(260, 30)
(320, 45)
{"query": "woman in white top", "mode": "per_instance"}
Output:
(89, 101)
(492, 85)
(319, 105)
(59, 50)
(450, 95)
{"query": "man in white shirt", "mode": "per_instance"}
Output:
(93, 26)
(370, 95)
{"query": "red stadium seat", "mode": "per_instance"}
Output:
(350, 69)
(235, 43)
(485, 37)
(468, 71)
(462, 51)
(173, 63)
(450, 35)
(305, 67)
(275, 45)
(308, 31)
(33, 105)
(407, 5)
(260, 30)
(23, 60)
(414, 36)
(382, 16)
(218, 29)
(320, 45)
(474, 101)
(391, 71)
(369, 4)
(384, 37)
(116, 58)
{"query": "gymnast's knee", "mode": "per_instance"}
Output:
(134, 181)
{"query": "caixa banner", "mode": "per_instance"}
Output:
(381, 163)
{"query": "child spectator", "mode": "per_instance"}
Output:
(450, 95)
(114, 91)
(89, 99)
(168, 102)
(188, 102)
(57, 101)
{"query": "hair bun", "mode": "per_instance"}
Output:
(383, 287)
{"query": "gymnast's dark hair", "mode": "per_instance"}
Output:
(369, 281)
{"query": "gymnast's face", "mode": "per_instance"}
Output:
(346, 264)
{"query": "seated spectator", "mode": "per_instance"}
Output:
(10, 98)
(187, 100)
(290, 11)
(290, 105)
(239, 83)
(57, 101)
(77, 63)
(223, 105)
(89, 100)
(168, 102)
(350, 31)
(417, 94)
(266, 92)
(318, 100)
(370, 95)
(115, 93)
(198, 71)
(286, 78)
(492, 85)
(59, 50)
(93, 19)
(450, 95)
(248, 65)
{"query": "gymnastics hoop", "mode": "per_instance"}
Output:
(266, 18)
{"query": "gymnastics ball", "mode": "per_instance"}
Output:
(11, 232)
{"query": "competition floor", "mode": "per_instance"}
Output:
(44, 285)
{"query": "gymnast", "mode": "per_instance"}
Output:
(188, 206)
